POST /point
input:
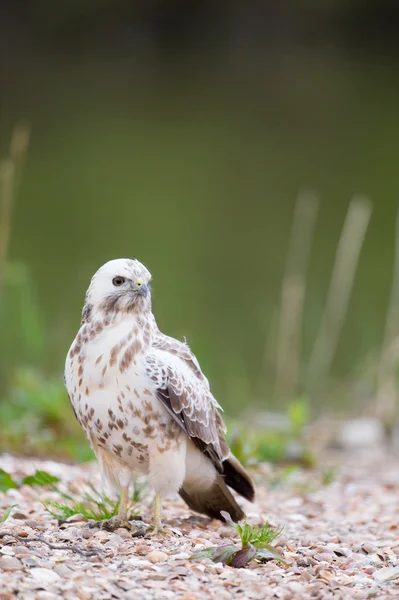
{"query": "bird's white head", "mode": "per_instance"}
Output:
(120, 286)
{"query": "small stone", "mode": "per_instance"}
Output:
(142, 549)
(10, 563)
(325, 575)
(29, 562)
(22, 550)
(23, 533)
(387, 574)
(34, 524)
(372, 559)
(75, 518)
(247, 574)
(44, 576)
(227, 532)
(157, 556)
(86, 533)
(361, 432)
(72, 533)
(369, 548)
(324, 556)
(305, 561)
(123, 532)
(102, 535)
(296, 587)
(43, 595)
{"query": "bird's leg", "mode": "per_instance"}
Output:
(123, 500)
(156, 526)
(120, 520)
(136, 528)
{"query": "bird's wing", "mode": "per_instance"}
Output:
(190, 403)
(182, 350)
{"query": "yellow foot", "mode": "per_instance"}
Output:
(114, 523)
(136, 528)
(156, 530)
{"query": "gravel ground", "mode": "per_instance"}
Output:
(341, 540)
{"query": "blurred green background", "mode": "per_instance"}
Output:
(181, 133)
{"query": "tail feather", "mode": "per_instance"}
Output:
(205, 490)
(210, 501)
(237, 478)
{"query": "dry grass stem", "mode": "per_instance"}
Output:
(293, 295)
(386, 397)
(342, 278)
(10, 176)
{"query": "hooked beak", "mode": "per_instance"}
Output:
(143, 290)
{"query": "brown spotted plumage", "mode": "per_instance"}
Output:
(147, 406)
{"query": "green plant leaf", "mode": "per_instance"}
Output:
(298, 414)
(6, 481)
(7, 513)
(267, 552)
(224, 553)
(205, 553)
(243, 556)
(40, 478)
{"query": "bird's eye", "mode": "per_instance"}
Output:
(118, 281)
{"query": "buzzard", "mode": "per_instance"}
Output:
(144, 403)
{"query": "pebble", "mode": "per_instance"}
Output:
(63, 571)
(157, 556)
(86, 533)
(227, 532)
(75, 518)
(72, 533)
(340, 542)
(34, 524)
(387, 573)
(142, 549)
(10, 563)
(43, 595)
(296, 587)
(22, 550)
(325, 556)
(44, 576)
(123, 532)
(369, 548)
(361, 432)
(102, 536)
(29, 562)
(181, 555)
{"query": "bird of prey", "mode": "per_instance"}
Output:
(144, 403)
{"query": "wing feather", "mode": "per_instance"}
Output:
(182, 350)
(189, 401)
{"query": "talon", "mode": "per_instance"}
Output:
(155, 530)
(114, 523)
(138, 528)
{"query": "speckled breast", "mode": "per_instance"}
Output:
(114, 400)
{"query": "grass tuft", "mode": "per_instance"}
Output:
(255, 544)
(257, 536)
(92, 505)
(7, 514)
